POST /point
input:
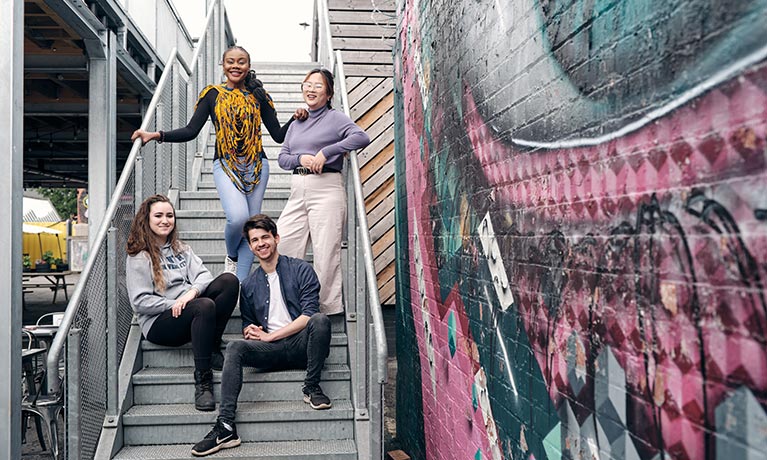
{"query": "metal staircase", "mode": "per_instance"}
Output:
(272, 419)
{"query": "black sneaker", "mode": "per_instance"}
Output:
(314, 396)
(220, 437)
(216, 360)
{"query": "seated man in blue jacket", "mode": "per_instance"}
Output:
(282, 328)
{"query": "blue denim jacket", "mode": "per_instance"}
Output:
(300, 289)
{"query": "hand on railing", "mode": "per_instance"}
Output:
(146, 136)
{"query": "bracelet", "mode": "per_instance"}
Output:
(162, 137)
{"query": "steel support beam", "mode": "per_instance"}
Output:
(11, 193)
(102, 130)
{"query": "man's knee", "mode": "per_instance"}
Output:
(235, 349)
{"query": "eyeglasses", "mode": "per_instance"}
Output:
(307, 85)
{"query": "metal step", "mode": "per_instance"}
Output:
(263, 421)
(207, 220)
(341, 449)
(209, 200)
(167, 385)
(272, 154)
(277, 181)
(278, 178)
(161, 356)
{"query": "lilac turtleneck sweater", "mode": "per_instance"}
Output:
(326, 129)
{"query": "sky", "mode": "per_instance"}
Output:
(268, 29)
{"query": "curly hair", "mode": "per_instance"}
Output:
(141, 238)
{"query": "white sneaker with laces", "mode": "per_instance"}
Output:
(230, 266)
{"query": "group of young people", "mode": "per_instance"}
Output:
(284, 303)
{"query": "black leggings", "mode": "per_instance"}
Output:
(202, 321)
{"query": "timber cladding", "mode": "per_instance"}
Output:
(364, 31)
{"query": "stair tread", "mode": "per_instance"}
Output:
(213, 195)
(209, 213)
(247, 411)
(336, 339)
(184, 375)
(276, 449)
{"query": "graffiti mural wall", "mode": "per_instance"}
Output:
(582, 229)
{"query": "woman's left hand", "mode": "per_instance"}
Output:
(301, 114)
(319, 162)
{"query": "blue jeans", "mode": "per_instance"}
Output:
(306, 349)
(238, 208)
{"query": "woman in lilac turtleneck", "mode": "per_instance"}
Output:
(314, 150)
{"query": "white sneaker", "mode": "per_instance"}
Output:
(230, 266)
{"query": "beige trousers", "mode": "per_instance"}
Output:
(316, 210)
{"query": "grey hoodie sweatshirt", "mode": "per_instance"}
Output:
(182, 272)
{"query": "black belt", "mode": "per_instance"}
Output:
(303, 171)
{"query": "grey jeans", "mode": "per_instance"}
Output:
(306, 349)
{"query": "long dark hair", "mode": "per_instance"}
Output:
(328, 77)
(141, 238)
(252, 84)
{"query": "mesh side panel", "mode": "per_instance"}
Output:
(149, 152)
(91, 320)
(164, 151)
(122, 221)
(180, 159)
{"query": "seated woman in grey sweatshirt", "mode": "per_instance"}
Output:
(175, 297)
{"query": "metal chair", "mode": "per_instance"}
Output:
(46, 408)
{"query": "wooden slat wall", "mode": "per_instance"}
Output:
(364, 32)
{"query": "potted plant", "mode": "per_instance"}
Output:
(42, 266)
(44, 263)
(26, 262)
(61, 266)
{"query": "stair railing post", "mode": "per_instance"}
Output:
(73, 445)
(361, 345)
(376, 402)
(111, 332)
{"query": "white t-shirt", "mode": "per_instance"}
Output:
(278, 316)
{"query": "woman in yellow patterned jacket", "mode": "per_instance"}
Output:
(240, 170)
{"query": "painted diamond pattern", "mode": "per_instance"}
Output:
(741, 424)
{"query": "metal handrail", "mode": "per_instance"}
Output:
(201, 38)
(325, 25)
(54, 354)
(367, 248)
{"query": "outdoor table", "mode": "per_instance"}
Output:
(55, 281)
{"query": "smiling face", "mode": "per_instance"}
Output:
(162, 220)
(236, 65)
(263, 244)
(315, 91)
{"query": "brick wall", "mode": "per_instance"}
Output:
(582, 229)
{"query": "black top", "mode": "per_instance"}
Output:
(206, 108)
